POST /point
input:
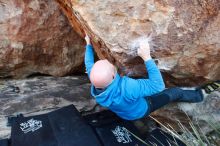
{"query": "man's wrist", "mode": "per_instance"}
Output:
(88, 45)
(146, 58)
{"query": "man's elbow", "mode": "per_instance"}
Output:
(158, 86)
(161, 86)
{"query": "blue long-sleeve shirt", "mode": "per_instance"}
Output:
(125, 96)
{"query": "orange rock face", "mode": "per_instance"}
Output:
(184, 35)
(35, 37)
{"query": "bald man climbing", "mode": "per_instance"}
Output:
(129, 98)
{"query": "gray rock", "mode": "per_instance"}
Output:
(201, 114)
(42, 94)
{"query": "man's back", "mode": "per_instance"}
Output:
(124, 95)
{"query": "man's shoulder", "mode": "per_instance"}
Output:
(126, 78)
(128, 81)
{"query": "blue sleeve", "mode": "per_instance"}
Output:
(136, 88)
(89, 58)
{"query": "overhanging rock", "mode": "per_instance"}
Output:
(184, 35)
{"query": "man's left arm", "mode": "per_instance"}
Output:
(138, 88)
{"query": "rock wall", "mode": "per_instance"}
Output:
(184, 35)
(35, 37)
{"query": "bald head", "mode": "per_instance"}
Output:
(102, 73)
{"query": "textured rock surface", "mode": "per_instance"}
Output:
(42, 94)
(184, 34)
(35, 37)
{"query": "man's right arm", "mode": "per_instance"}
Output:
(89, 55)
(89, 58)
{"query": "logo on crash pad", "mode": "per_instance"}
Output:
(31, 125)
(122, 135)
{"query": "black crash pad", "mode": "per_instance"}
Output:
(63, 127)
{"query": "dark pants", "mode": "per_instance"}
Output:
(173, 95)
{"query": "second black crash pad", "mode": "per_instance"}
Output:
(112, 130)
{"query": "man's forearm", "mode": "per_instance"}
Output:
(89, 58)
(154, 75)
